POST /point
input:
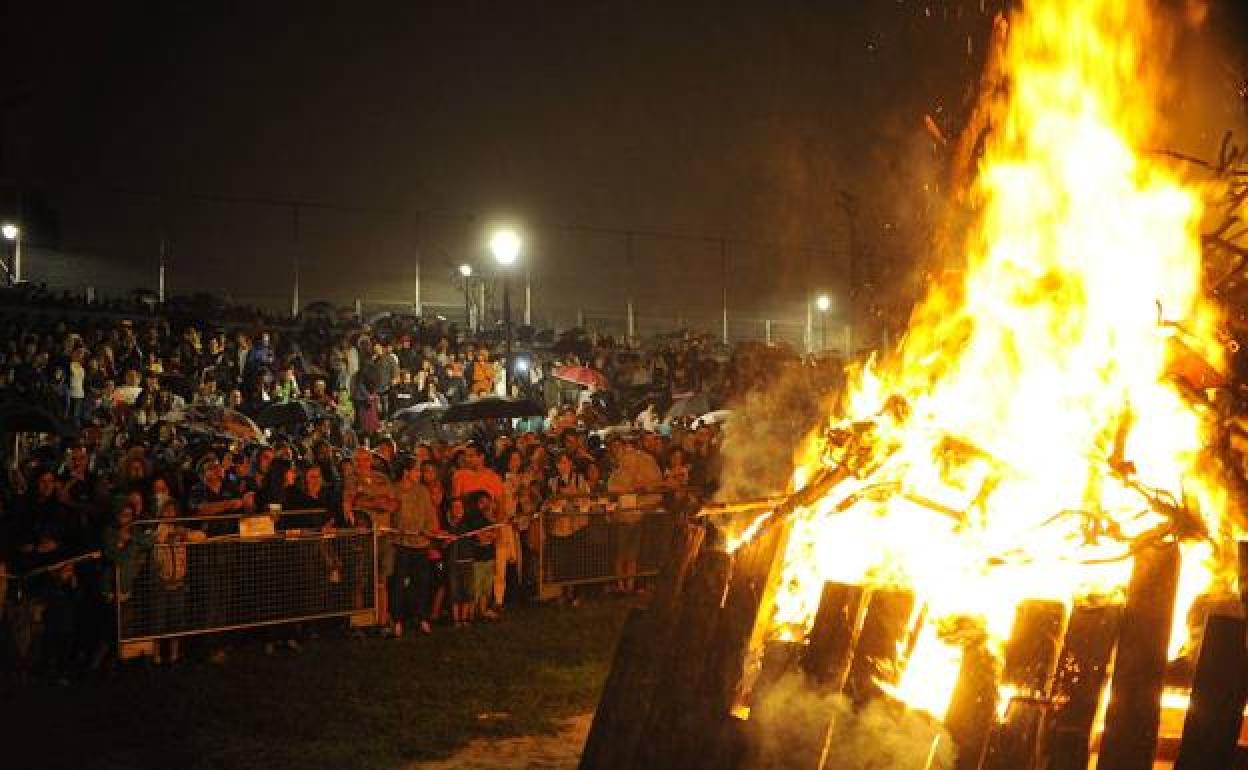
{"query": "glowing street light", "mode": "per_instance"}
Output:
(465, 272)
(505, 246)
(823, 303)
(12, 232)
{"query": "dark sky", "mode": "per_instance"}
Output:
(740, 120)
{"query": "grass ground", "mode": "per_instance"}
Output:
(340, 704)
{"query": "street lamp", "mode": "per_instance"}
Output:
(823, 303)
(465, 272)
(12, 232)
(505, 246)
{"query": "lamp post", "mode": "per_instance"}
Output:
(505, 246)
(465, 272)
(13, 233)
(824, 303)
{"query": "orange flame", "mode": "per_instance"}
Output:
(1026, 429)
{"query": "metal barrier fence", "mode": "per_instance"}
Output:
(184, 584)
(252, 573)
(596, 541)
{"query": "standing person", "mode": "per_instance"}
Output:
(460, 554)
(476, 476)
(481, 515)
(634, 472)
(214, 571)
(509, 560)
(368, 500)
(387, 373)
(416, 522)
(481, 374)
(439, 567)
(77, 385)
(405, 393)
(169, 557)
(563, 525)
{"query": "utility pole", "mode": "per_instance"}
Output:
(628, 243)
(160, 276)
(723, 279)
(294, 293)
(416, 303)
(528, 296)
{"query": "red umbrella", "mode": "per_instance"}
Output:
(583, 376)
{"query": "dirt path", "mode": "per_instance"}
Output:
(559, 751)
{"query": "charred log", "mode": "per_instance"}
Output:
(1134, 715)
(833, 636)
(884, 629)
(1082, 670)
(1216, 711)
(1030, 661)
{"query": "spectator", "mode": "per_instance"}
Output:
(633, 472)
(417, 524)
(460, 554)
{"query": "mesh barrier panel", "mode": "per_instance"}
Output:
(200, 587)
(596, 545)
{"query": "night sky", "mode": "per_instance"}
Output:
(412, 127)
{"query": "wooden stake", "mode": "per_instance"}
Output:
(1134, 715)
(973, 706)
(1083, 667)
(1016, 742)
(1219, 689)
(753, 566)
(838, 622)
(1032, 650)
(1243, 572)
(723, 679)
(677, 722)
(628, 696)
(1030, 660)
(883, 630)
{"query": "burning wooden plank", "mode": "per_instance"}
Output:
(876, 655)
(1134, 715)
(1031, 656)
(1082, 670)
(973, 706)
(834, 635)
(1216, 710)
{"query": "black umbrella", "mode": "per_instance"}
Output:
(290, 413)
(24, 418)
(217, 419)
(493, 408)
(693, 406)
(423, 422)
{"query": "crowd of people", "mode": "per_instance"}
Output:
(147, 457)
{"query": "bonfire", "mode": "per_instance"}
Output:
(1034, 477)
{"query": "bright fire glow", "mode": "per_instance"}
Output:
(1004, 445)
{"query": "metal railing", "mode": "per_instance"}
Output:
(601, 540)
(183, 583)
(205, 575)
